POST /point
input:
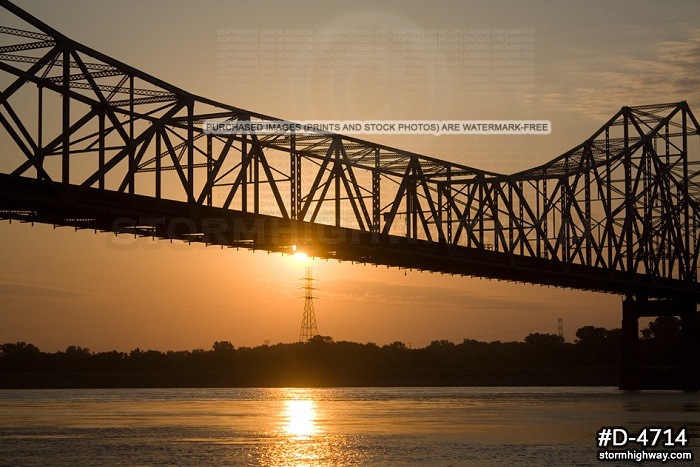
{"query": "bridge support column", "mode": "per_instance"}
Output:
(681, 373)
(630, 373)
(690, 346)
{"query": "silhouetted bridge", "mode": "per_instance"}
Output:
(93, 143)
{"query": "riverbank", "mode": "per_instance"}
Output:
(316, 378)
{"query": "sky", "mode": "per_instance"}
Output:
(580, 62)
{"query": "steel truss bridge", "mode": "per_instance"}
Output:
(90, 142)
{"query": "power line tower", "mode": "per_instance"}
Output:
(308, 321)
(561, 327)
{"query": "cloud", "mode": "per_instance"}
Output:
(670, 73)
(394, 294)
(26, 288)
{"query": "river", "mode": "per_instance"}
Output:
(329, 427)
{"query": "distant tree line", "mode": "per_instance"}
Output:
(593, 347)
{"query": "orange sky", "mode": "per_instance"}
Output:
(60, 287)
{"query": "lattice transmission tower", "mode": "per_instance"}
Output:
(560, 327)
(308, 321)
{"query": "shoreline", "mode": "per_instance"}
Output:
(436, 377)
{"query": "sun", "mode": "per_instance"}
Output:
(299, 255)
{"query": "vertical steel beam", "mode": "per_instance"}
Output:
(538, 220)
(609, 226)
(190, 152)
(545, 216)
(210, 174)
(132, 149)
(448, 196)
(40, 130)
(666, 209)
(521, 231)
(336, 173)
(159, 171)
(648, 249)
(256, 178)
(629, 196)
(413, 199)
(65, 135)
(246, 167)
(510, 218)
(687, 273)
(299, 188)
(495, 215)
(376, 193)
(565, 217)
(101, 150)
(481, 211)
(294, 176)
(440, 211)
(587, 229)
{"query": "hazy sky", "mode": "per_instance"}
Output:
(581, 61)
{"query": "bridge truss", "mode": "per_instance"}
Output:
(617, 213)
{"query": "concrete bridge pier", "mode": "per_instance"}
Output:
(681, 373)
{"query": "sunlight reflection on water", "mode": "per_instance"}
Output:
(303, 442)
(300, 418)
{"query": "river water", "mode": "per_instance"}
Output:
(328, 427)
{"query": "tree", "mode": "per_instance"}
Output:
(441, 344)
(543, 340)
(73, 359)
(591, 336)
(223, 355)
(19, 357)
(663, 328)
(222, 347)
(598, 346)
(661, 341)
(396, 346)
(545, 349)
(78, 353)
(318, 339)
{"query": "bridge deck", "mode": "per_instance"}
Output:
(30, 200)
